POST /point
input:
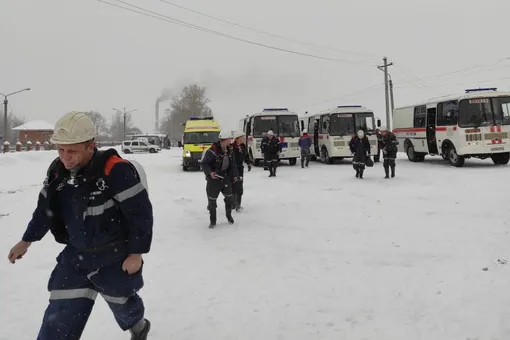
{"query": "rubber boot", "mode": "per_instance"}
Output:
(357, 172)
(392, 171)
(228, 212)
(386, 171)
(361, 170)
(212, 218)
(143, 334)
(239, 199)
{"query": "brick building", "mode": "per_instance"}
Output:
(34, 131)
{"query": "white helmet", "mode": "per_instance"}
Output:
(305, 131)
(361, 134)
(225, 134)
(270, 133)
(238, 134)
(73, 128)
(383, 128)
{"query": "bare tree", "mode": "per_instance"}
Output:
(192, 101)
(116, 130)
(12, 122)
(100, 123)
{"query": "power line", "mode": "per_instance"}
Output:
(464, 83)
(264, 32)
(370, 88)
(169, 19)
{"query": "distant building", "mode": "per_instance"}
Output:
(34, 131)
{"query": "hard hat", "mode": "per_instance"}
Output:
(238, 134)
(383, 128)
(305, 131)
(270, 133)
(361, 134)
(225, 134)
(73, 128)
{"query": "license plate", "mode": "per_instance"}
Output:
(498, 149)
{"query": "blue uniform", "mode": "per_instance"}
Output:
(103, 214)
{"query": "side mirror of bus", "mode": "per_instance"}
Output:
(378, 123)
(179, 144)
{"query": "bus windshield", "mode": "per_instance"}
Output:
(282, 125)
(288, 126)
(208, 137)
(262, 124)
(478, 112)
(365, 122)
(341, 124)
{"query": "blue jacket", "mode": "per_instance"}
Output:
(104, 204)
(305, 142)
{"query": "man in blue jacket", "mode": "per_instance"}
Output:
(305, 143)
(96, 204)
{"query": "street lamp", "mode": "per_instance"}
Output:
(124, 113)
(6, 102)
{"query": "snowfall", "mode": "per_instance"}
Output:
(316, 254)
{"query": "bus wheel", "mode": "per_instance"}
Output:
(293, 161)
(184, 168)
(411, 154)
(325, 157)
(501, 158)
(454, 159)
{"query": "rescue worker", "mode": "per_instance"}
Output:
(241, 156)
(271, 148)
(305, 142)
(360, 148)
(221, 173)
(389, 146)
(95, 203)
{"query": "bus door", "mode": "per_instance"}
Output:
(316, 138)
(431, 130)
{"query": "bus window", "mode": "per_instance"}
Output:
(448, 113)
(420, 114)
(342, 124)
(502, 110)
(324, 124)
(262, 124)
(311, 126)
(365, 122)
(475, 113)
(288, 126)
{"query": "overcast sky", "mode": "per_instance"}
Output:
(86, 55)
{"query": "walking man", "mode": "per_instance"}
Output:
(360, 148)
(271, 148)
(221, 173)
(389, 146)
(96, 204)
(305, 142)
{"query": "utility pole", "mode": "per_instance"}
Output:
(124, 113)
(384, 68)
(391, 95)
(6, 105)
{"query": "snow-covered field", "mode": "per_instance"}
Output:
(316, 254)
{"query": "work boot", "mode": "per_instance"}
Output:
(142, 335)
(386, 172)
(228, 212)
(361, 173)
(392, 172)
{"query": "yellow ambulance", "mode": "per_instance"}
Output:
(199, 134)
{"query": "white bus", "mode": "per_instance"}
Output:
(475, 124)
(332, 130)
(284, 124)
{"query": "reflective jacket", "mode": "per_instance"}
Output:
(104, 205)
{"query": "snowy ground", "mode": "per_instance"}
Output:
(316, 254)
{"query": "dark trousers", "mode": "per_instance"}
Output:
(73, 290)
(213, 189)
(359, 167)
(305, 157)
(238, 187)
(387, 164)
(272, 164)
